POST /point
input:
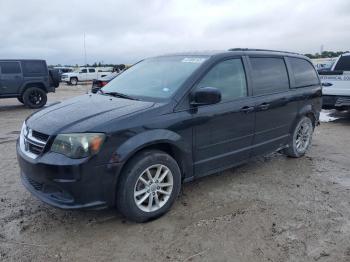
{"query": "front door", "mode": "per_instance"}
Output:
(224, 132)
(11, 77)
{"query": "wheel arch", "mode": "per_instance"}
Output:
(308, 112)
(163, 140)
(32, 84)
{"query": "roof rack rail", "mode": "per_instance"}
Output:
(266, 50)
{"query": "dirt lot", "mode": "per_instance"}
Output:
(272, 209)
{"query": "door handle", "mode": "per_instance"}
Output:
(247, 109)
(264, 106)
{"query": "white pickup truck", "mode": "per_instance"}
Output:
(336, 84)
(84, 74)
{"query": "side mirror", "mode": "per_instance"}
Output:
(205, 96)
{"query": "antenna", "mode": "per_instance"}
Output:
(84, 51)
(85, 63)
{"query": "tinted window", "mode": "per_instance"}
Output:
(343, 63)
(269, 75)
(34, 67)
(91, 70)
(10, 67)
(229, 77)
(304, 72)
(83, 71)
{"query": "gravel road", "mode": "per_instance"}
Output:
(272, 209)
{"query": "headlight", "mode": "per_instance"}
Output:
(78, 145)
(24, 130)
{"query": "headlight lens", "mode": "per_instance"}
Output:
(78, 145)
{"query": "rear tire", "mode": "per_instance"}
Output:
(73, 81)
(34, 97)
(148, 186)
(301, 138)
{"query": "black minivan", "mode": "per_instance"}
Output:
(165, 121)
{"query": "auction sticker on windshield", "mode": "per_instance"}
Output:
(197, 60)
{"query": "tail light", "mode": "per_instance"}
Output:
(103, 83)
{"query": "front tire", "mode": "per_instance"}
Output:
(149, 185)
(301, 138)
(34, 97)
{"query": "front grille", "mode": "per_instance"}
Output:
(35, 149)
(343, 101)
(33, 142)
(36, 185)
(40, 136)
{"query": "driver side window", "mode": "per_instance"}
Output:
(229, 77)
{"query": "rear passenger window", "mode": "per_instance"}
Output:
(229, 77)
(304, 72)
(34, 68)
(91, 70)
(10, 68)
(343, 63)
(269, 75)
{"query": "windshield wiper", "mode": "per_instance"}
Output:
(121, 95)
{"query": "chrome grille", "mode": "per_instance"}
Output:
(343, 101)
(32, 142)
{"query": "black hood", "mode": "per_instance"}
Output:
(83, 113)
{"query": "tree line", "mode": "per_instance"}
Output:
(326, 54)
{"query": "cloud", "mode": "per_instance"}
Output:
(126, 31)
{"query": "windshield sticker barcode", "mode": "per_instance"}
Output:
(197, 60)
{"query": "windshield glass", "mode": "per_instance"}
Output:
(157, 78)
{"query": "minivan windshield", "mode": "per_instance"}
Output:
(155, 78)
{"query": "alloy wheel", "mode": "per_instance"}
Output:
(153, 188)
(303, 136)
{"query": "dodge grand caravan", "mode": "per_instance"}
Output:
(165, 121)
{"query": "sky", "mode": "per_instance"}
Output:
(126, 31)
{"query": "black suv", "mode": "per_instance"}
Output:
(165, 121)
(28, 80)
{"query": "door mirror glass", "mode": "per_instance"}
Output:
(206, 96)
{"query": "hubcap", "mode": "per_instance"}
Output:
(153, 188)
(303, 136)
(35, 97)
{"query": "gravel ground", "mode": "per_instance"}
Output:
(273, 209)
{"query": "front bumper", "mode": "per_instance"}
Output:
(69, 183)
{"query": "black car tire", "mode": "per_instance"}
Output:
(34, 97)
(130, 177)
(73, 81)
(293, 150)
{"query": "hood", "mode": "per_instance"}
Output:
(83, 113)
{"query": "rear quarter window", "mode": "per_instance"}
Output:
(304, 73)
(343, 63)
(269, 75)
(10, 68)
(34, 68)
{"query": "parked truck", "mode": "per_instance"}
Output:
(336, 84)
(84, 74)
